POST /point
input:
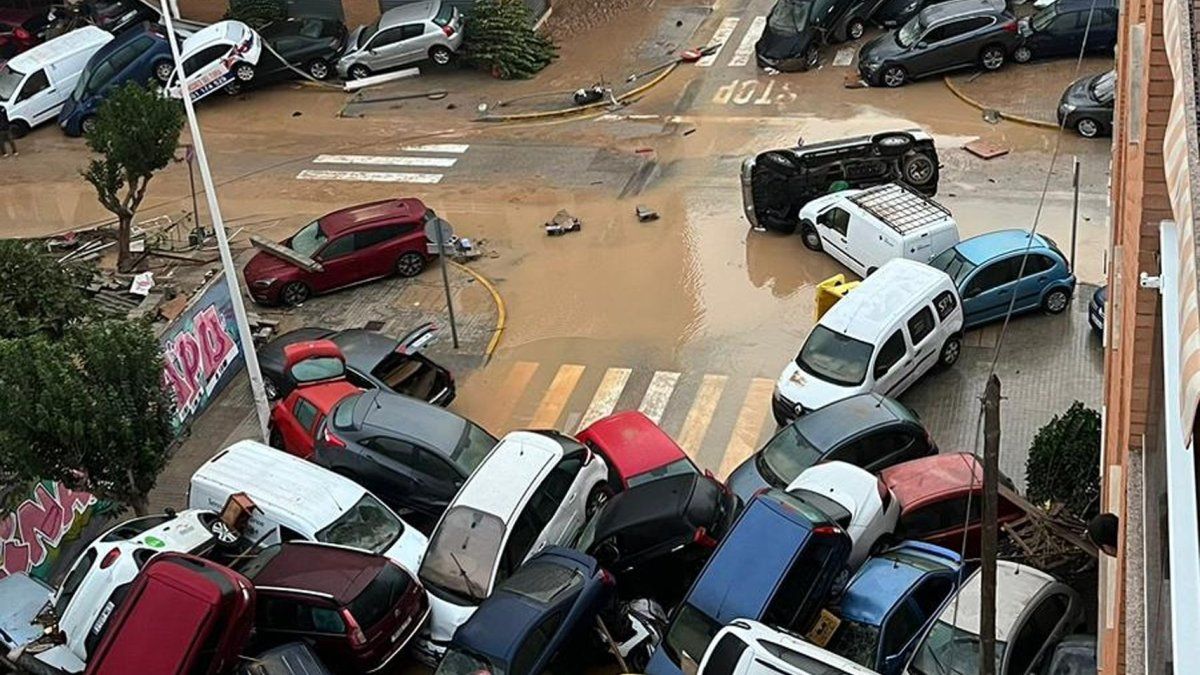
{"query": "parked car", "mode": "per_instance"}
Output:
(889, 604)
(319, 371)
(866, 430)
(292, 658)
(413, 455)
(308, 44)
(859, 502)
(1060, 30)
(1096, 309)
(1033, 611)
(935, 493)
(1073, 655)
(781, 555)
(183, 615)
(117, 16)
(657, 534)
(551, 485)
(896, 13)
(863, 229)
(748, 647)
(1087, 105)
(36, 83)
(373, 361)
(403, 35)
(790, 41)
(343, 248)
(946, 36)
(900, 323)
(530, 619)
(220, 57)
(636, 450)
(21, 30)
(141, 56)
(357, 609)
(990, 269)
(298, 500)
(777, 183)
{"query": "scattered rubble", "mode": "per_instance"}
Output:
(563, 223)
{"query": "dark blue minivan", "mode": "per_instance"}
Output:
(139, 55)
(777, 565)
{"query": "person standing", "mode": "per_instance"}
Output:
(6, 138)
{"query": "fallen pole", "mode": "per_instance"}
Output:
(355, 85)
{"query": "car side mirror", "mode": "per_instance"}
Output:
(922, 45)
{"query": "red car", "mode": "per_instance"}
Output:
(20, 29)
(358, 610)
(343, 248)
(183, 615)
(636, 450)
(933, 493)
(318, 370)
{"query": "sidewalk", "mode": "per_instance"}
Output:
(1029, 90)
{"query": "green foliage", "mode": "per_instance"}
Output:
(1064, 462)
(500, 40)
(37, 295)
(256, 13)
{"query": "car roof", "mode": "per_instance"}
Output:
(1085, 5)
(184, 532)
(228, 32)
(326, 395)
(661, 504)
(519, 461)
(632, 443)
(917, 480)
(429, 426)
(1016, 587)
(846, 484)
(873, 309)
(959, 8)
(54, 49)
(129, 36)
(408, 12)
(882, 581)
(335, 570)
(984, 247)
(333, 224)
(828, 426)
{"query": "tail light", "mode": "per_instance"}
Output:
(110, 558)
(826, 529)
(330, 439)
(21, 34)
(448, 30)
(1010, 27)
(357, 637)
(701, 537)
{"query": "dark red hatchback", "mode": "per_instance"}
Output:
(357, 609)
(343, 248)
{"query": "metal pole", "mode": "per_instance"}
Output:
(198, 229)
(989, 531)
(446, 282)
(1074, 211)
(214, 209)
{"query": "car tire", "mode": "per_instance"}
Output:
(810, 236)
(19, 128)
(441, 55)
(233, 88)
(893, 76)
(597, 498)
(951, 350)
(870, 271)
(87, 125)
(295, 294)
(163, 70)
(275, 440)
(1088, 127)
(855, 29)
(918, 169)
(1056, 301)
(1022, 54)
(992, 57)
(358, 71)
(410, 264)
(243, 72)
(318, 69)
(270, 389)
(812, 57)
(892, 144)
(781, 161)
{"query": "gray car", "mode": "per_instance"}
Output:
(407, 34)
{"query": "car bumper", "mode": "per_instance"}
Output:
(1096, 317)
(416, 628)
(788, 65)
(429, 651)
(748, 193)
(784, 411)
(869, 73)
(264, 296)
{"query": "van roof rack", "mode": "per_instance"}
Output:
(900, 207)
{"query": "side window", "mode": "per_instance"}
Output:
(930, 595)
(289, 615)
(526, 530)
(305, 412)
(288, 534)
(338, 247)
(394, 449)
(889, 354)
(1035, 264)
(800, 593)
(100, 77)
(902, 625)
(536, 644)
(376, 235)
(411, 30)
(945, 304)
(920, 325)
(891, 442)
(431, 465)
(203, 58)
(1067, 22)
(994, 275)
(977, 23)
(1039, 625)
(837, 220)
(388, 37)
(945, 515)
(76, 577)
(129, 53)
(938, 33)
(34, 84)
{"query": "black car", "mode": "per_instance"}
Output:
(1087, 105)
(894, 13)
(868, 430)
(943, 37)
(414, 456)
(1060, 29)
(1096, 309)
(312, 45)
(116, 16)
(777, 183)
(373, 361)
(796, 29)
(649, 534)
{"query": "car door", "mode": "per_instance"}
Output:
(374, 247)
(888, 446)
(888, 371)
(833, 226)
(1037, 273)
(534, 653)
(1041, 628)
(38, 99)
(987, 292)
(343, 265)
(941, 522)
(416, 42)
(923, 336)
(438, 480)
(930, 53)
(386, 49)
(902, 629)
(281, 619)
(296, 425)
(563, 491)
(1062, 37)
(388, 470)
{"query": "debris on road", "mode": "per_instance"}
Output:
(844, 56)
(563, 223)
(645, 213)
(985, 149)
(588, 95)
(853, 81)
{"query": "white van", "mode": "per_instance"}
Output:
(863, 229)
(297, 499)
(35, 84)
(899, 323)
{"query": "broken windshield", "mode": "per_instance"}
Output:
(308, 239)
(789, 16)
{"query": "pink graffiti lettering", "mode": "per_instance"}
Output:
(215, 343)
(38, 525)
(195, 358)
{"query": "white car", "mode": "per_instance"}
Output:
(220, 56)
(860, 502)
(534, 489)
(746, 647)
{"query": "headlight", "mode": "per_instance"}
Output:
(1066, 108)
(264, 283)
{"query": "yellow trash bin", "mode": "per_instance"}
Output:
(831, 290)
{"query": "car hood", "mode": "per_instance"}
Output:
(881, 48)
(808, 391)
(264, 265)
(1079, 93)
(776, 44)
(746, 480)
(891, 9)
(351, 44)
(445, 618)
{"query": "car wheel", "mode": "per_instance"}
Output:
(871, 270)
(410, 264)
(782, 161)
(812, 57)
(812, 239)
(244, 72)
(855, 29)
(233, 88)
(88, 125)
(894, 76)
(1088, 127)
(597, 498)
(295, 293)
(19, 128)
(440, 55)
(270, 389)
(918, 169)
(358, 71)
(1056, 301)
(951, 350)
(276, 439)
(318, 69)
(163, 70)
(991, 58)
(1022, 54)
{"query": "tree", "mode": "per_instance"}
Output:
(500, 40)
(256, 13)
(1063, 466)
(89, 410)
(38, 295)
(136, 133)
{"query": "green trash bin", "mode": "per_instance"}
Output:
(838, 186)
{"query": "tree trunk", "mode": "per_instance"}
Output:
(140, 505)
(124, 256)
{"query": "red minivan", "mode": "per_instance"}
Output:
(183, 615)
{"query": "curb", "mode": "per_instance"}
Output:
(543, 114)
(501, 311)
(1019, 119)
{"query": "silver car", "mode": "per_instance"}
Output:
(429, 29)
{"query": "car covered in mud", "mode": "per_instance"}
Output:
(777, 183)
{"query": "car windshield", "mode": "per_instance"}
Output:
(690, 634)
(367, 33)
(309, 239)
(368, 525)
(789, 16)
(855, 641)
(457, 662)
(835, 357)
(317, 368)
(833, 510)
(786, 455)
(677, 468)
(254, 566)
(472, 448)
(954, 264)
(587, 536)
(380, 596)
(1103, 87)
(343, 414)
(542, 582)
(445, 14)
(462, 555)
(910, 32)
(951, 651)
(9, 81)
(1043, 19)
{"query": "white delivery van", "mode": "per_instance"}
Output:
(296, 499)
(35, 84)
(900, 322)
(863, 229)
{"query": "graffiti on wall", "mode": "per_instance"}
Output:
(201, 352)
(37, 535)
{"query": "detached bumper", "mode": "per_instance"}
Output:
(784, 411)
(748, 193)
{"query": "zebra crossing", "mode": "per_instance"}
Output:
(423, 164)
(723, 37)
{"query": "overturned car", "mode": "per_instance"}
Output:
(777, 183)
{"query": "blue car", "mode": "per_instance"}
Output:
(988, 273)
(891, 602)
(522, 626)
(776, 565)
(140, 55)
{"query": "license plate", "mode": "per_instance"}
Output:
(400, 631)
(103, 618)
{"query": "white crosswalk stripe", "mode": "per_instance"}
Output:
(658, 394)
(720, 38)
(357, 170)
(385, 160)
(370, 176)
(450, 148)
(606, 396)
(745, 48)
